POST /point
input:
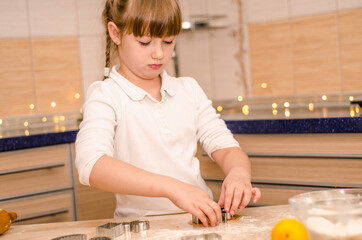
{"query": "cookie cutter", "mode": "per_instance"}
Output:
(136, 226)
(110, 230)
(113, 230)
(72, 237)
(207, 236)
(195, 220)
(225, 216)
(126, 227)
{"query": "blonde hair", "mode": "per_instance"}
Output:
(154, 18)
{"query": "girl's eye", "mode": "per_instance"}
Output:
(144, 43)
(168, 42)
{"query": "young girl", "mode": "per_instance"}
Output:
(140, 130)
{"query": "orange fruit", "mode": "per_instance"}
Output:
(289, 229)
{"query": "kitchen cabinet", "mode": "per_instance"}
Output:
(41, 185)
(37, 184)
(39, 181)
(17, 90)
(38, 87)
(42, 208)
(287, 164)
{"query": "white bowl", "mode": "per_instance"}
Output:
(331, 214)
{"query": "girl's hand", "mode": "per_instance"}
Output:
(236, 192)
(196, 201)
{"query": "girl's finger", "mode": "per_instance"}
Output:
(246, 199)
(222, 196)
(257, 194)
(202, 217)
(229, 192)
(237, 196)
(210, 213)
(217, 211)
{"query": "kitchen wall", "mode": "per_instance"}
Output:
(284, 47)
(51, 51)
(309, 47)
(48, 50)
(212, 55)
(40, 56)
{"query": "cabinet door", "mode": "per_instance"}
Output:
(284, 165)
(271, 194)
(35, 170)
(57, 74)
(16, 77)
(45, 208)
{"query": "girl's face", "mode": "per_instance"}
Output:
(144, 58)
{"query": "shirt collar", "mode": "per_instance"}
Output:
(136, 93)
(167, 84)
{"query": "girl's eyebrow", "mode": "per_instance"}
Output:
(144, 37)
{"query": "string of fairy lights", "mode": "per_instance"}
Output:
(59, 122)
(54, 121)
(275, 108)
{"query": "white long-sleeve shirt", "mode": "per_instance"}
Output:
(123, 121)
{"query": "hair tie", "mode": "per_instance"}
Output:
(106, 72)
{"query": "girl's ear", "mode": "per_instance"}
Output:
(114, 33)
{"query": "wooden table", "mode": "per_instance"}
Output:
(254, 223)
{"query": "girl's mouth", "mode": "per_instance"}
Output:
(155, 66)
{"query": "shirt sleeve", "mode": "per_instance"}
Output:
(212, 131)
(96, 133)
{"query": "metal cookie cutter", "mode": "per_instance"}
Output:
(126, 227)
(111, 230)
(72, 237)
(208, 236)
(100, 238)
(196, 220)
(135, 226)
(225, 216)
(138, 226)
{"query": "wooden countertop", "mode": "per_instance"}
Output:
(255, 223)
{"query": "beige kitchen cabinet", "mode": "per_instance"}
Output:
(43, 208)
(287, 164)
(37, 184)
(41, 185)
(47, 83)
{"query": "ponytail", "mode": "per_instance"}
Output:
(107, 17)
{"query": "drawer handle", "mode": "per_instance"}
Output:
(19, 170)
(299, 155)
(45, 214)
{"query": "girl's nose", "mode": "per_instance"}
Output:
(157, 52)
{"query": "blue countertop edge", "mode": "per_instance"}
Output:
(310, 125)
(283, 126)
(37, 140)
